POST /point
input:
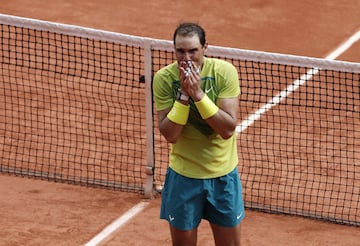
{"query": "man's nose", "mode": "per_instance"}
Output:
(187, 56)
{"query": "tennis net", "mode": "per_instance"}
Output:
(76, 106)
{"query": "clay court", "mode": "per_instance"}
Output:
(39, 212)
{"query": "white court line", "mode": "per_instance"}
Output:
(110, 229)
(345, 46)
(297, 83)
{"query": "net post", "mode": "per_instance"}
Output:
(149, 185)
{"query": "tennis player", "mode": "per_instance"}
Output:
(197, 102)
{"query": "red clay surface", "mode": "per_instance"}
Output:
(37, 212)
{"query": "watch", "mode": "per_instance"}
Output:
(181, 96)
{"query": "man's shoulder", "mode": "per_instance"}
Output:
(166, 74)
(168, 69)
(212, 61)
(219, 65)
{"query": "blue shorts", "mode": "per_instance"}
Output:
(186, 201)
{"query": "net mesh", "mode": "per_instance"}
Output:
(65, 113)
(301, 154)
(73, 110)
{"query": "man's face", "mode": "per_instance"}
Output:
(189, 48)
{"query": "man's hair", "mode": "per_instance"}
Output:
(189, 29)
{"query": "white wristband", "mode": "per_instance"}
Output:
(181, 96)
